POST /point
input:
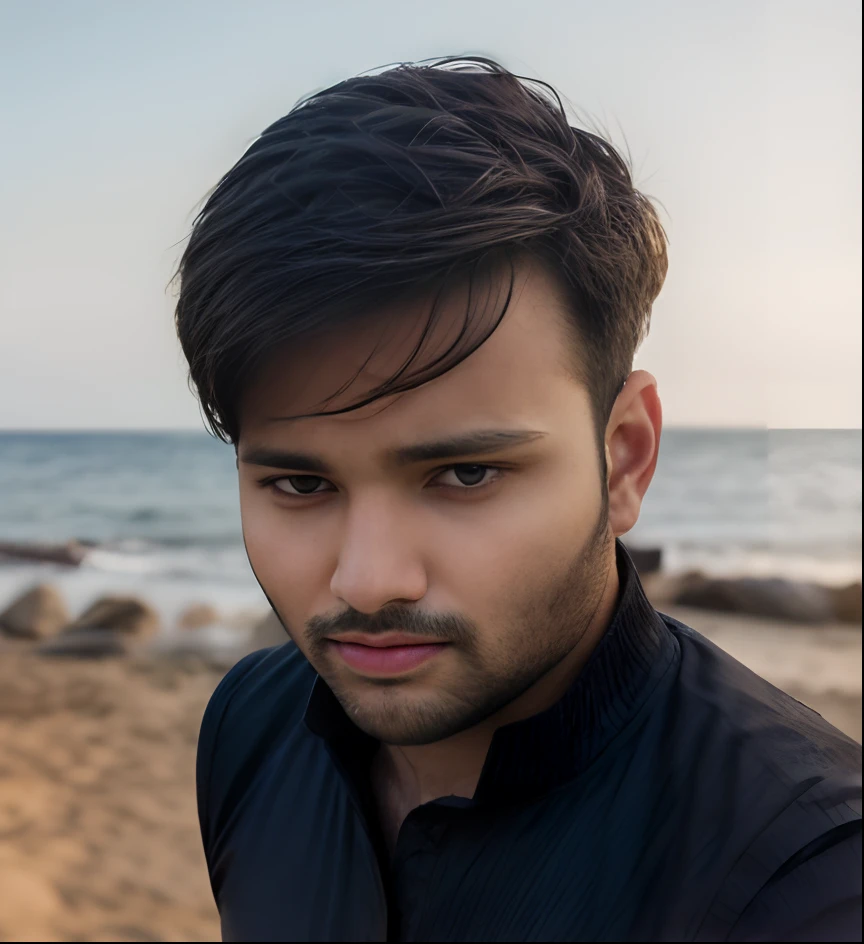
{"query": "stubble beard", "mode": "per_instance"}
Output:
(553, 620)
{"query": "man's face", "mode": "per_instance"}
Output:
(495, 555)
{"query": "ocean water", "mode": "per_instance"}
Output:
(162, 509)
(781, 503)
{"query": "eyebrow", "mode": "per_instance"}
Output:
(479, 442)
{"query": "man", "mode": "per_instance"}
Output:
(413, 306)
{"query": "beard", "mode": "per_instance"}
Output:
(545, 622)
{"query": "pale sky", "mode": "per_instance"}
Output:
(743, 117)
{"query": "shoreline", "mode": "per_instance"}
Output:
(172, 578)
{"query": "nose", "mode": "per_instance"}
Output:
(378, 561)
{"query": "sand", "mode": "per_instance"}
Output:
(99, 837)
(98, 831)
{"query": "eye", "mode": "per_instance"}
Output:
(463, 477)
(300, 484)
(469, 475)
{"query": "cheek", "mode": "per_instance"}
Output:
(503, 552)
(289, 564)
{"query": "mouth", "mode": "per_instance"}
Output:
(385, 654)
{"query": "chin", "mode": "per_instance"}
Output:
(406, 723)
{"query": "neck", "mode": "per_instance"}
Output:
(407, 777)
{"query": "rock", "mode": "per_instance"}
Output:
(86, 644)
(663, 588)
(197, 648)
(127, 615)
(36, 614)
(774, 598)
(198, 615)
(245, 619)
(268, 632)
(71, 553)
(646, 560)
(847, 603)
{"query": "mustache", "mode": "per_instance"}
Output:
(447, 627)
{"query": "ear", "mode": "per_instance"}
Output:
(632, 447)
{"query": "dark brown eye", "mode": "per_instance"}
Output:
(470, 474)
(299, 484)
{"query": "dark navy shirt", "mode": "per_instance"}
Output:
(670, 795)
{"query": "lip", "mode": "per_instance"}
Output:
(384, 659)
(385, 640)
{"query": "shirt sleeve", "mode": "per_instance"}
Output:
(207, 792)
(815, 896)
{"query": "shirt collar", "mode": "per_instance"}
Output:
(531, 757)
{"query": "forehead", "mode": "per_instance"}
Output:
(522, 374)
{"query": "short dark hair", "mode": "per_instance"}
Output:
(404, 183)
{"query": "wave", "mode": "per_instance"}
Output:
(142, 559)
(831, 569)
(831, 566)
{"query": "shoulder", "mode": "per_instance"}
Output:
(794, 779)
(259, 683)
(790, 736)
(259, 701)
(813, 896)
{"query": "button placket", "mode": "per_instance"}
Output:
(418, 850)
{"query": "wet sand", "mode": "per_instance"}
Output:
(98, 829)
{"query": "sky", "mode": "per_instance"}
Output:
(742, 119)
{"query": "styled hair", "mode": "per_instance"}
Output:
(408, 183)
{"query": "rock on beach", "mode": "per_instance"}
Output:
(37, 614)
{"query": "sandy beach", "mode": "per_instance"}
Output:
(97, 805)
(99, 832)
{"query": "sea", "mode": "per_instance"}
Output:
(161, 509)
